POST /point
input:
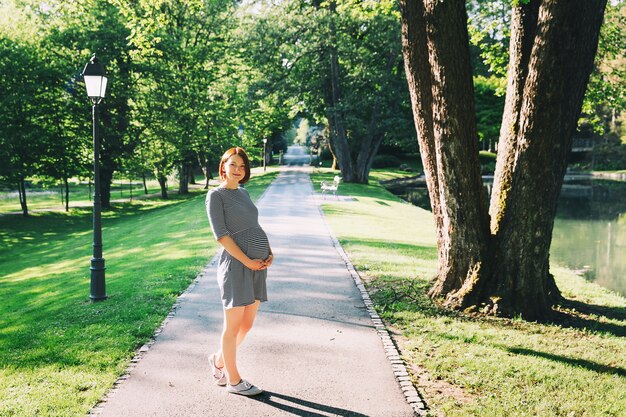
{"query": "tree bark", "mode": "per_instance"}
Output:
(183, 178)
(558, 71)
(366, 156)
(331, 142)
(523, 28)
(21, 190)
(204, 164)
(145, 185)
(163, 184)
(499, 265)
(67, 194)
(435, 44)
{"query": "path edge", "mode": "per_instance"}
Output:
(411, 395)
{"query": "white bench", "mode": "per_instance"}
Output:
(330, 186)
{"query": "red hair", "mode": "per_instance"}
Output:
(246, 161)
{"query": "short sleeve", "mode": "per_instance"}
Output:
(215, 211)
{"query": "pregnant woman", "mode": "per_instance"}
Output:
(242, 268)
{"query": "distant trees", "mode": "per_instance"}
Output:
(341, 63)
(180, 84)
(22, 136)
(185, 74)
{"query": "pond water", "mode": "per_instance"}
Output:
(589, 230)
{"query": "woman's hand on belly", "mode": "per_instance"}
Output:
(256, 264)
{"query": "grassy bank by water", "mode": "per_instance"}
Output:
(472, 366)
(60, 353)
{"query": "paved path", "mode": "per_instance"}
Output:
(313, 348)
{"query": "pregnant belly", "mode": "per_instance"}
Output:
(258, 244)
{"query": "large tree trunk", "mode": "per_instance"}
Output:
(331, 142)
(523, 28)
(558, 70)
(446, 126)
(417, 70)
(503, 269)
(369, 148)
(365, 159)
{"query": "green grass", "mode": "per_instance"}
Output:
(472, 366)
(39, 197)
(61, 352)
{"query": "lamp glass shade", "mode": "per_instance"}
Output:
(96, 85)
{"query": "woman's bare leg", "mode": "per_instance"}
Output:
(237, 323)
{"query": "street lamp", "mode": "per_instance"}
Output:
(240, 131)
(264, 155)
(96, 83)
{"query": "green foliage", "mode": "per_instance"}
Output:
(292, 43)
(489, 109)
(489, 31)
(606, 95)
(22, 137)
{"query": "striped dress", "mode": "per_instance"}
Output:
(232, 213)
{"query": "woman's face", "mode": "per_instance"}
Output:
(234, 169)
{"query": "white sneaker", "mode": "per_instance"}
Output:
(244, 388)
(219, 376)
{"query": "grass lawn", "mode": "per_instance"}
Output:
(472, 366)
(50, 197)
(61, 352)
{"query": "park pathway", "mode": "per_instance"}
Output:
(313, 349)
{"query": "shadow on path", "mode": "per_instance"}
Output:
(302, 407)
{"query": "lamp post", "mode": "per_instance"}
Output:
(264, 155)
(96, 83)
(240, 132)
